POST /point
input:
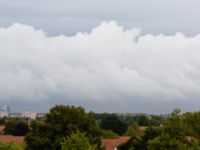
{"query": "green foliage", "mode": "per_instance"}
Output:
(157, 120)
(77, 141)
(108, 134)
(194, 145)
(2, 121)
(141, 142)
(136, 119)
(133, 143)
(134, 131)
(176, 132)
(114, 124)
(150, 134)
(175, 128)
(10, 146)
(191, 120)
(180, 132)
(60, 122)
(16, 127)
(166, 143)
(142, 120)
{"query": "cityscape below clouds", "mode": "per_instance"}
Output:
(99, 75)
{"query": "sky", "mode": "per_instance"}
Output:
(107, 56)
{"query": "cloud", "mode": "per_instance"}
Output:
(107, 64)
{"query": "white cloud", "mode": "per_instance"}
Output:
(107, 64)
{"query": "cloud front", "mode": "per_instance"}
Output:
(108, 63)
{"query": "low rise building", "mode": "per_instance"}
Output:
(4, 114)
(112, 144)
(15, 115)
(29, 115)
(41, 115)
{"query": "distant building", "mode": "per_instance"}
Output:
(41, 115)
(15, 115)
(29, 115)
(4, 111)
(3, 114)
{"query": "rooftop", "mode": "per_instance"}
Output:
(110, 144)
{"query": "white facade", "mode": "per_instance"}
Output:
(4, 114)
(29, 114)
(4, 111)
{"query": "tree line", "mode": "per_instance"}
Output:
(72, 128)
(181, 132)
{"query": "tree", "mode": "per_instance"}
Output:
(77, 141)
(16, 127)
(132, 143)
(2, 121)
(151, 133)
(114, 124)
(134, 131)
(157, 120)
(10, 146)
(192, 119)
(142, 120)
(180, 132)
(166, 143)
(141, 142)
(175, 128)
(108, 134)
(60, 122)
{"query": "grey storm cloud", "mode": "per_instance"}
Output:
(107, 64)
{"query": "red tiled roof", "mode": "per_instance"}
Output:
(110, 144)
(10, 138)
(1, 128)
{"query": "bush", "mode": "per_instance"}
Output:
(108, 134)
(77, 141)
(16, 127)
